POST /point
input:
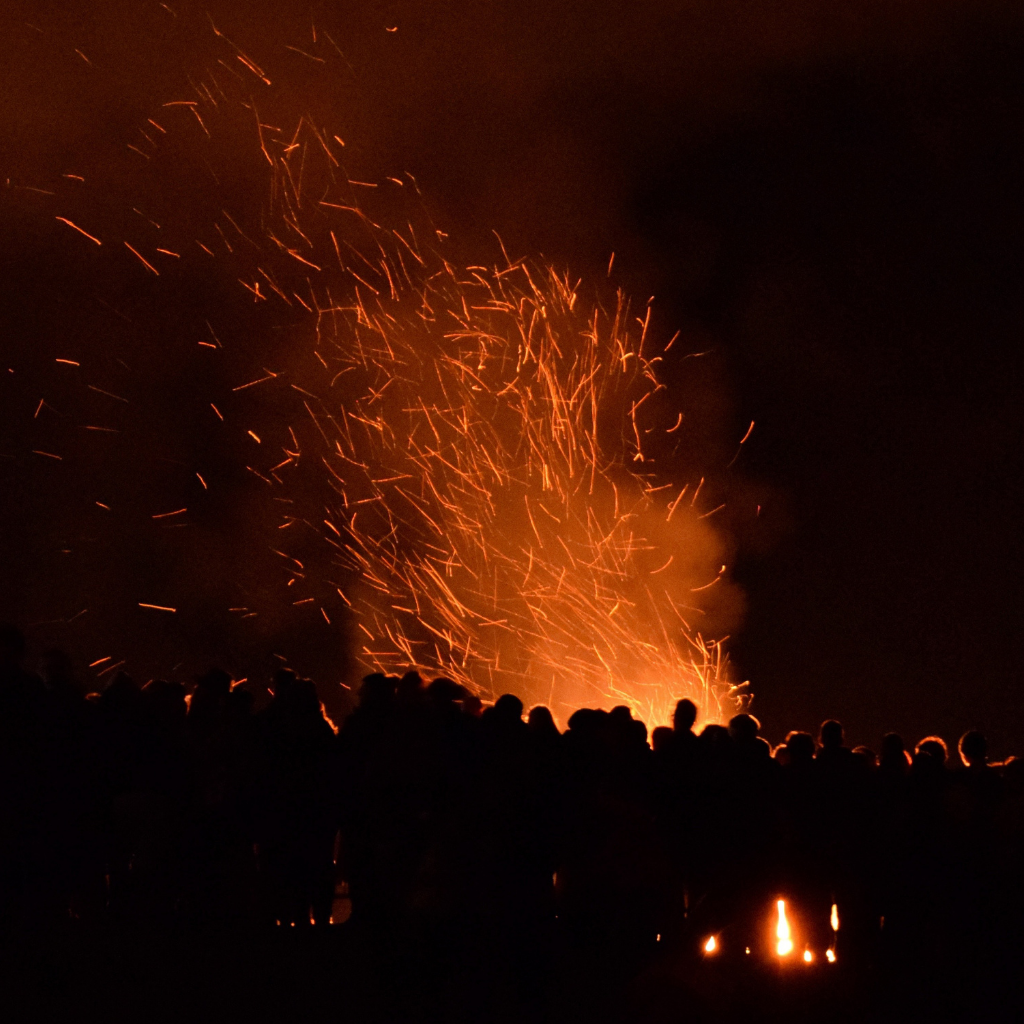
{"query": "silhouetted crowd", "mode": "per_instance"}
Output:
(457, 822)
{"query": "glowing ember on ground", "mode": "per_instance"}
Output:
(711, 945)
(782, 932)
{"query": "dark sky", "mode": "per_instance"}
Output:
(825, 198)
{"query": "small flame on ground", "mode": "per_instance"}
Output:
(830, 956)
(711, 945)
(782, 932)
(808, 956)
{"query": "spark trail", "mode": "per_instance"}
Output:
(475, 449)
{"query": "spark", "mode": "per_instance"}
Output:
(304, 54)
(142, 259)
(253, 383)
(81, 231)
(482, 456)
(109, 394)
(157, 607)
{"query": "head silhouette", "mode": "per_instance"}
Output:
(973, 748)
(540, 720)
(410, 689)
(215, 683)
(866, 756)
(799, 748)
(376, 692)
(935, 748)
(743, 728)
(508, 708)
(894, 756)
(443, 693)
(831, 734)
(661, 738)
(685, 715)
(283, 684)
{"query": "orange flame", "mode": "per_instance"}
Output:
(711, 945)
(782, 931)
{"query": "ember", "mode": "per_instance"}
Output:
(782, 931)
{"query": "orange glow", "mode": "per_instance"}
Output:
(808, 956)
(711, 945)
(492, 462)
(782, 931)
(834, 919)
(830, 956)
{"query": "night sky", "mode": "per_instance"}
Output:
(825, 199)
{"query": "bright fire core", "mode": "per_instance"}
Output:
(491, 502)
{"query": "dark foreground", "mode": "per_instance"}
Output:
(340, 974)
(186, 850)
